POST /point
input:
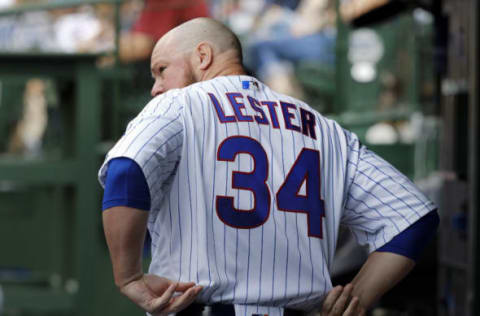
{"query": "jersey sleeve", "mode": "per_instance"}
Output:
(411, 242)
(154, 141)
(125, 186)
(380, 202)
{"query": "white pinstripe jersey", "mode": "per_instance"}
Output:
(249, 188)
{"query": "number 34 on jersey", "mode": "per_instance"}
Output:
(305, 169)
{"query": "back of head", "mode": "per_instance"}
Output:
(191, 33)
(197, 50)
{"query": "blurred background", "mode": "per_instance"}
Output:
(402, 74)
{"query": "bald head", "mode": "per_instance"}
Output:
(197, 50)
(188, 35)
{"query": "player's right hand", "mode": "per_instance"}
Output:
(340, 303)
(156, 296)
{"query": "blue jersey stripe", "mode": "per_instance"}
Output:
(191, 209)
(156, 133)
(331, 176)
(376, 197)
(386, 189)
(323, 168)
(213, 208)
(261, 244)
(238, 158)
(372, 209)
(179, 227)
(406, 188)
(160, 147)
(143, 115)
(313, 144)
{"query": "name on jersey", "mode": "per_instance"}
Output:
(294, 118)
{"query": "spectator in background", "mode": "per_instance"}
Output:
(84, 29)
(66, 30)
(287, 33)
(156, 19)
(29, 31)
(28, 134)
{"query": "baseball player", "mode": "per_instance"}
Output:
(243, 191)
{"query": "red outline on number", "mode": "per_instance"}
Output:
(306, 192)
(231, 198)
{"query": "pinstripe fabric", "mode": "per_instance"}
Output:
(175, 140)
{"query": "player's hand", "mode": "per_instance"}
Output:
(339, 302)
(155, 294)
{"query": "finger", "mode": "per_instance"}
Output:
(352, 308)
(339, 305)
(181, 302)
(159, 303)
(331, 298)
(183, 286)
(190, 295)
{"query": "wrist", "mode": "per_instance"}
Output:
(122, 282)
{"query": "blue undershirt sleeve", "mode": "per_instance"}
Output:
(411, 242)
(125, 185)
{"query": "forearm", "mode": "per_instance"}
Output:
(125, 230)
(380, 273)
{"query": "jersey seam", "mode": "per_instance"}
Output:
(391, 233)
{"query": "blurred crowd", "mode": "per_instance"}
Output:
(276, 35)
(67, 30)
(281, 33)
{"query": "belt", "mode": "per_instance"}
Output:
(196, 309)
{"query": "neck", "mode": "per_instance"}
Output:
(224, 65)
(230, 71)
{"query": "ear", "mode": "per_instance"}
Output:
(204, 55)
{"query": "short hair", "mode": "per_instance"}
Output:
(193, 32)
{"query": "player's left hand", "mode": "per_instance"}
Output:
(340, 303)
(155, 294)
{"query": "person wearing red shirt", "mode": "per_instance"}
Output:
(156, 19)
